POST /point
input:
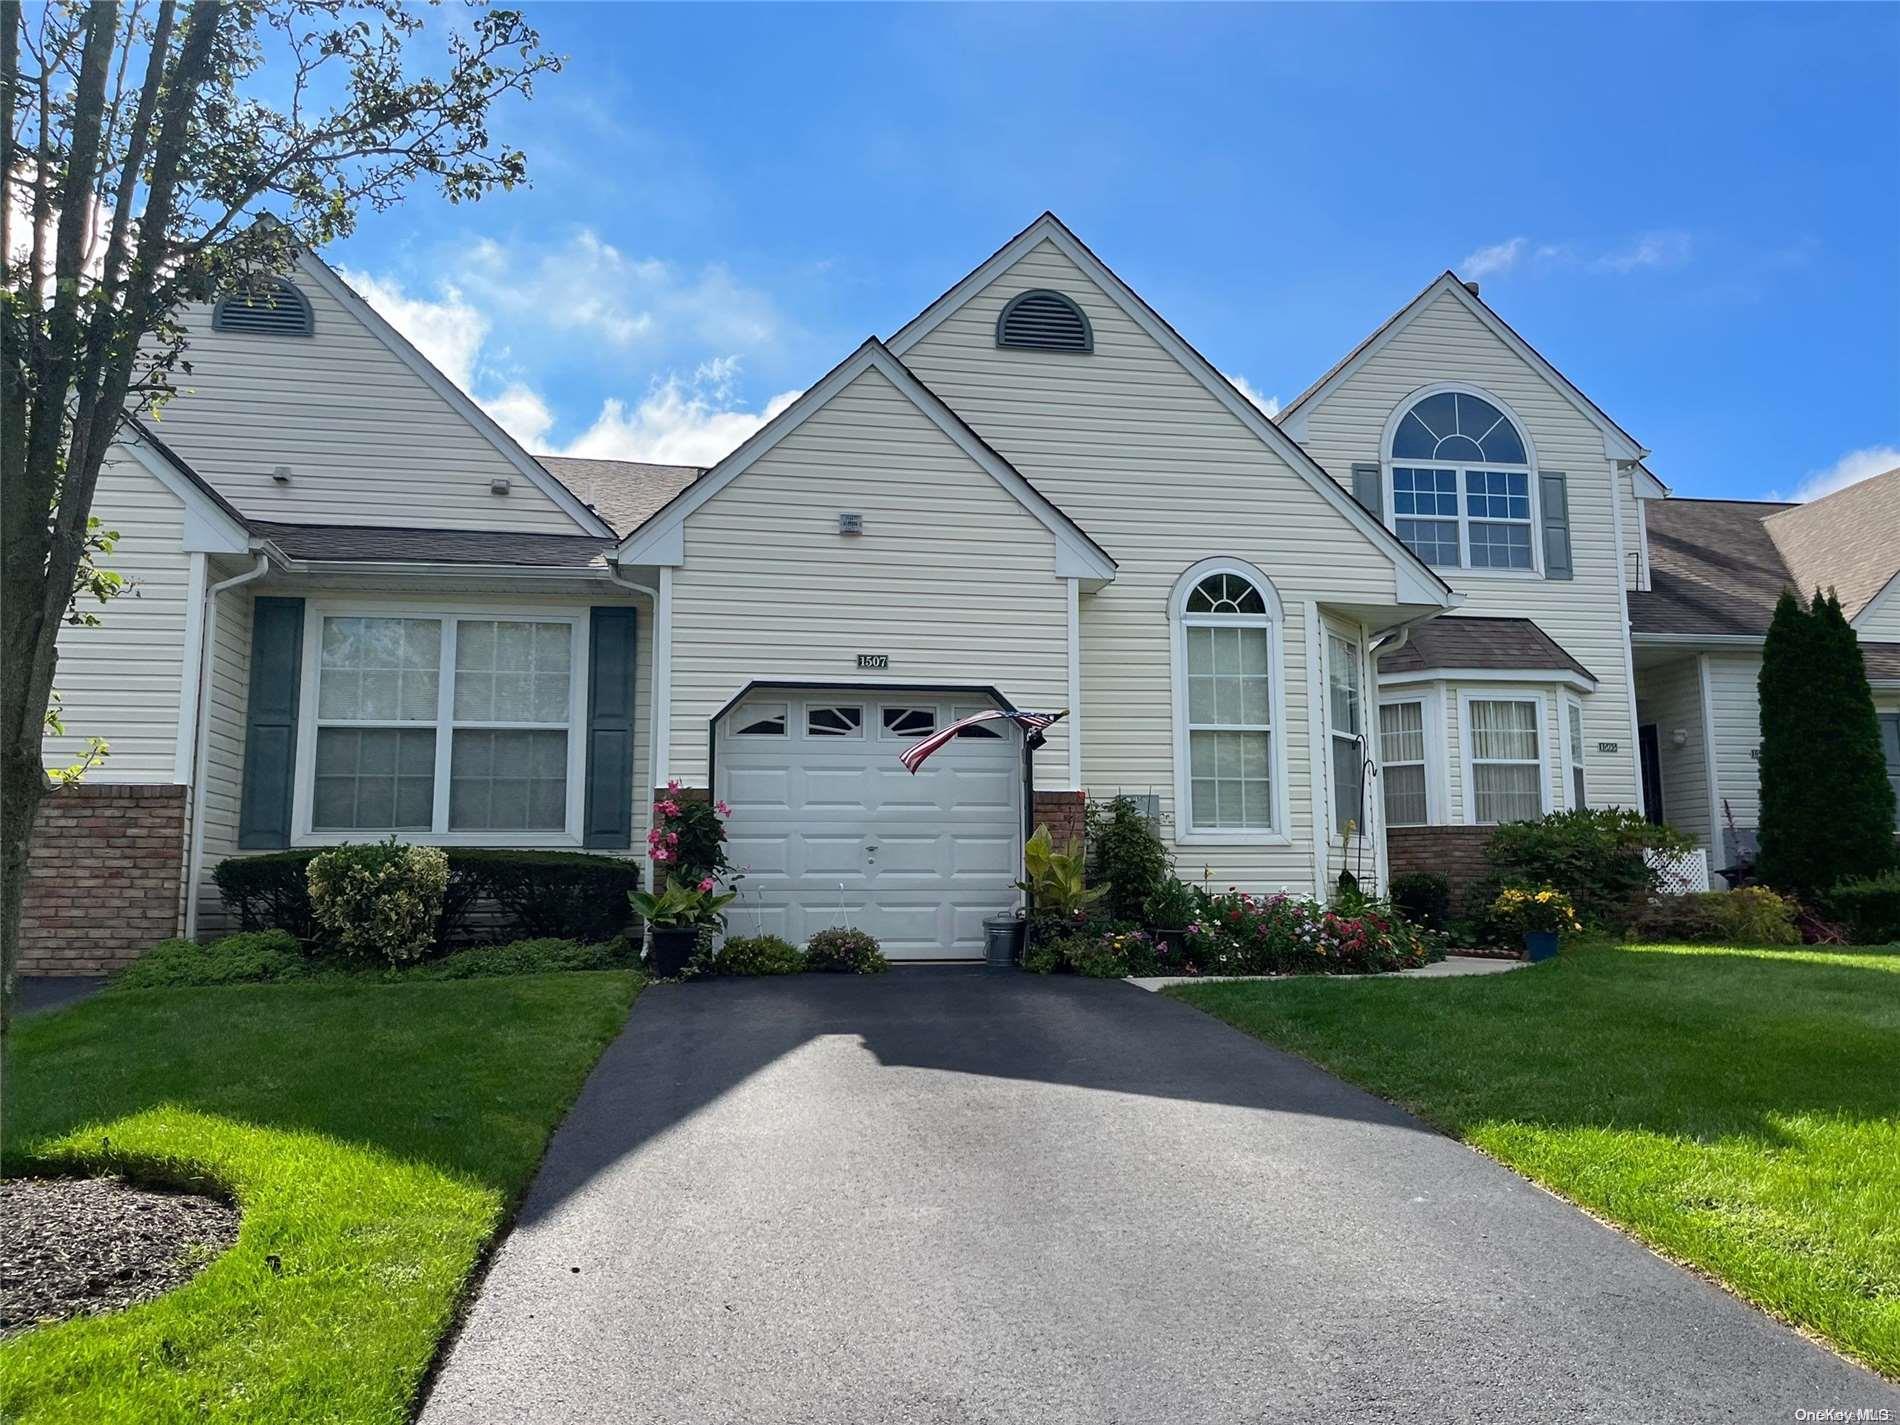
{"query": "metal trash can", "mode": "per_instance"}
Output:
(1002, 941)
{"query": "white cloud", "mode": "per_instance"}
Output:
(1499, 257)
(690, 421)
(450, 332)
(521, 412)
(1657, 249)
(1850, 469)
(1269, 405)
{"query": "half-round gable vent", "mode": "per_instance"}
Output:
(272, 307)
(1044, 321)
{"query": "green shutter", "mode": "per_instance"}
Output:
(1556, 491)
(1365, 489)
(270, 729)
(610, 674)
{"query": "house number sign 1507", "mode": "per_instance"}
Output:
(1608, 746)
(874, 660)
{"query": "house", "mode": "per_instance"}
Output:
(1342, 640)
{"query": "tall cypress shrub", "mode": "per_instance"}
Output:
(1826, 808)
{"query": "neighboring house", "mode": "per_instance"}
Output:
(361, 609)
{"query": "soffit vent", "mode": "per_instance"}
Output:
(1044, 321)
(273, 307)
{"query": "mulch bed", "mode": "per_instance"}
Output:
(78, 1246)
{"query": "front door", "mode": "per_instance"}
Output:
(1652, 772)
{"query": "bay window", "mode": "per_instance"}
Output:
(1504, 759)
(450, 725)
(1402, 763)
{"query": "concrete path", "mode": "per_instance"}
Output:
(943, 1195)
(1451, 967)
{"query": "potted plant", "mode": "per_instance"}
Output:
(676, 917)
(1169, 912)
(1540, 916)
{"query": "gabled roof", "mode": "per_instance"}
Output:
(622, 492)
(1426, 584)
(660, 539)
(1848, 541)
(1464, 642)
(1618, 444)
(484, 424)
(1713, 569)
(388, 544)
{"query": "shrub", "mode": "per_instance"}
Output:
(1424, 898)
(851, 952)
(1827, 807)
(1101, 955)
(758, 955)
(1753, 915)
(1057, 881)
(1869, 907)
(569, 894)
(1173, 905)
(248, 957)
(1593, 855)
(542, 956)
(1543, 911)
(1242, 934)
(381, 900)
(268, 892)
(1125, 857)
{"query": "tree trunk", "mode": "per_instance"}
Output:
(22, 788)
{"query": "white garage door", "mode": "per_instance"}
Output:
(831, 829)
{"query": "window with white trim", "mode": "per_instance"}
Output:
(1402, 763)
(1462, 484)
(834, 720)
(401, 747)
(1507, 776)
(1227, 655)
(1345, 720)
(1573, 715)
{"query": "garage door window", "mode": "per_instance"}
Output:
(759, 720)
(834, 721)
(910, 722)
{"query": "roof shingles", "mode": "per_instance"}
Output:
(1505, 645)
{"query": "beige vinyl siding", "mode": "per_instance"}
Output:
(224, 727)
(367, 440)
(1145, 459)
(1635, 554)
(1735, 712)
(951, 577)
(1446, 343)
(1880, 622)
(1670, 696)
(121, 680)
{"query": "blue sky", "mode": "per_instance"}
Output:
(1692, 211)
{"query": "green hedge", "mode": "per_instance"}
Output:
(1869, 907)
(274, 956)
(570, 894)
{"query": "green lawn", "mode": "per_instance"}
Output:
(375, 1137)
(1737, 1109)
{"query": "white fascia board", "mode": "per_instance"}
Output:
(1646, 485)
(1697, 640)
(1544, 677)
(208, 529)
(661, 540)
(1048, 228)
(531, 469)
(1617, 443)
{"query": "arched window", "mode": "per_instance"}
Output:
(269, 306)
(1229, 766)
(1044, 321)
(1462, 484)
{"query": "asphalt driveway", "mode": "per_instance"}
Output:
(942, 1195)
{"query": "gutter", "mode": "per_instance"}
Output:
(207, 647)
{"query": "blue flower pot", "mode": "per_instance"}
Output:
(1540, 944)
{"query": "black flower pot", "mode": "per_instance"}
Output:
(673, 946)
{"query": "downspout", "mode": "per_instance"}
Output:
(656, 762)
(201, 754)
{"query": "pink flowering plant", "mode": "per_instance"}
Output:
(1241, 934)
(688, 840)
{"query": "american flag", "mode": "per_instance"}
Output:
(913, 756)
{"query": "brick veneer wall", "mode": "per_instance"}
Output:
(1454, 852)
(103, 877)
(1063, 813)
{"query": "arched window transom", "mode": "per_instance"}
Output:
(1462, 484)
(1226, 692)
